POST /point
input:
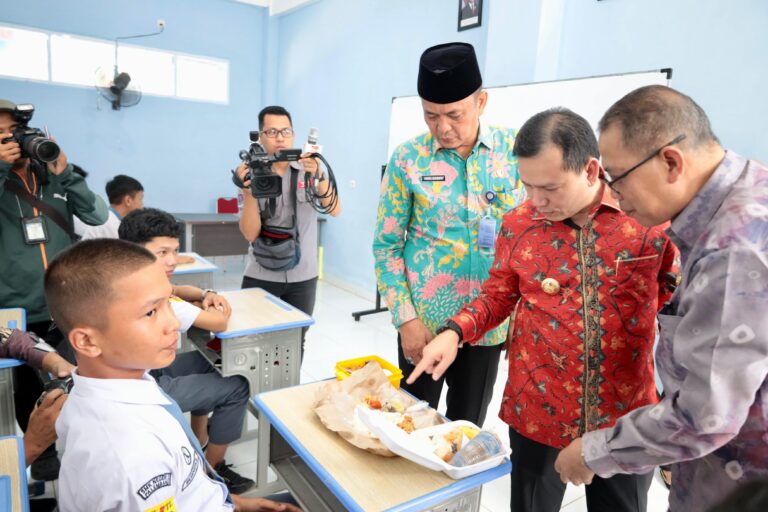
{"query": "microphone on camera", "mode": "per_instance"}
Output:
(312, 146)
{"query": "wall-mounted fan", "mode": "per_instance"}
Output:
(117, 88)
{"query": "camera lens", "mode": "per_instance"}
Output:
(42, 149)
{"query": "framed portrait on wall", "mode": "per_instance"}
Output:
(470, 14)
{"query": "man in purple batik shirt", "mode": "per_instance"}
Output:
(664, 163)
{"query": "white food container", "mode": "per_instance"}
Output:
(417, 446)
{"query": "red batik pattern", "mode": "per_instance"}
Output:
(583, 356)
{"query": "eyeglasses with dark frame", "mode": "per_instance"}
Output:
(611, 182)
(272, 132)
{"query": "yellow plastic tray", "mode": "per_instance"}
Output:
(342, 368)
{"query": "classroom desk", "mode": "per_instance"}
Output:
(12, 318)
(7, 410)
(262, 342)
(212, 234)
(199, 273)
(13, 476)
(326, 473)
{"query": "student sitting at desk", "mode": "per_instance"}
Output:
(127, 445)
(27, 347)
(191, 380)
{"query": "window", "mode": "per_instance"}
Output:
(202, 79)
(151, 70)
(23, 53)
(73, 60)
(76, 61)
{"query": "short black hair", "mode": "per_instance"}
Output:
(142, 225)
(655, 114)
(120, 186)
(563, 128)
(78, 282)
(273, 110)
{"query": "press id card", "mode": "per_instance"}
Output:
(486, 236)
(34, 230)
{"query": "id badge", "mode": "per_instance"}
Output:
(486, 236)
(34, 230)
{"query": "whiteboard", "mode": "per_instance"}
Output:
(511, 105)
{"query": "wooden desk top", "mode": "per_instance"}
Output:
(372, 482)
(255, 311)
(12, 465)
(200, 265)
(15, 316)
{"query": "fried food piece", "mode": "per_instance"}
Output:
(407, 424)
(372, 402)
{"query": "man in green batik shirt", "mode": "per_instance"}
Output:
(442, 199)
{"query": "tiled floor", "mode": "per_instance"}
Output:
(337, 336)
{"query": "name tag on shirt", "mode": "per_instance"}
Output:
(486, 236)
(433, 177)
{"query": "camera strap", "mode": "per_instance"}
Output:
(49, 211)
(271, 202)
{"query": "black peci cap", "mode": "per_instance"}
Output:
(448, 72)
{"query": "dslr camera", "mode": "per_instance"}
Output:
(265, 184)
(64, 384)
(33, 142)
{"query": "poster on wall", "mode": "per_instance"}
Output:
(470, 14)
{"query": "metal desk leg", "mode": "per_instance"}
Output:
(7, 411)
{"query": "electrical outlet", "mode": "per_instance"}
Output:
(352, 183)
(161, 24)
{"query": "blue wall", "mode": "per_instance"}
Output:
(341, 62)
(336, 64)
(180, 150)
(716, 49)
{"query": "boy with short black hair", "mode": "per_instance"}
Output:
(191, 380)
(125, 194)
(126, 444)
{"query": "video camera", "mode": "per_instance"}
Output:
(33, 142)
(265, 183)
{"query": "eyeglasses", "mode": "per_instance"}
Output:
(272, 132)
(611, 182)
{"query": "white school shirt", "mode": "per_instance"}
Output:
(106, 230)
(124, 452)
(185, 312)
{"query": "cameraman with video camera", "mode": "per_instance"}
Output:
(281, 225)
(39, 194)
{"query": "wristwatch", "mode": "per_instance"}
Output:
(450, 325)
(206, 292)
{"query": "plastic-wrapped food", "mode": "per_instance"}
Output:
(483, 446)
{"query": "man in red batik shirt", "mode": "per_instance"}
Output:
(590, 281)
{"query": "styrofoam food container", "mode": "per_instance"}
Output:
(417, 447)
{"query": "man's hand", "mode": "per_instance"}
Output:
(242, 172)
(217, 302)
(261, 505)
(41, 430)
(437, 356)
(571, 467)
(310, 164)
(57, 366)
(9, 151)
(60, 164)
(414, 336)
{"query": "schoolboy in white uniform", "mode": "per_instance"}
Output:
(125, 445)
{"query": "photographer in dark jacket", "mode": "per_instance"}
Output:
(297, 285)
(37, 202)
